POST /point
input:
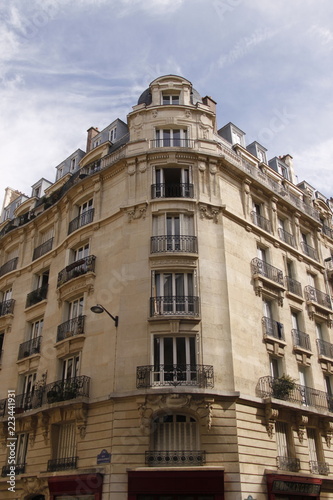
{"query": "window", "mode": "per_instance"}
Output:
(174, 359)
(85, 215)
(285, 448)
(284, 232)
(36, 192)
(7, 303)
(261, 155)
(36, 328)
(73, 164)
(173, 294)
(81, 252)
(317, 465)
(63, 447)
(2, 337)
(70, 367)
(170, 99)
(272, 328)
(172, 182)
(173, 232)
(96, 143)
(25, 402)
(113, 134)
(171, 138)
(258, 217)
(75, 308)
(275, 367)
(40, 288)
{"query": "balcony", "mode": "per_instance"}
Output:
(64, 390)
(29, 400)
(6, 470)
(309, 251)
(174, 306)
(3, 406)
(172, 142)
(327, 231)
(319, 468)
(176, 244)
(318, 302)
(81, 220)
(174, 375)
(287, 237)
(288, 463)
(42, 249)
(261, 222)
(70, 328)
(177, 190)
(58, 464)
(301, 340)
(294, 286)
(36, 296)
(9, 266)
(175, 458)
(260, 267)
(77, 268)
(324, 349)
(273, 328)
(279, 388)
(7, 307)
(29, 348)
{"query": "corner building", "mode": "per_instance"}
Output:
(216, 381)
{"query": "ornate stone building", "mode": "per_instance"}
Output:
(208, 375)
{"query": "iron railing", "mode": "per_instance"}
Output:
(272, 328)
(288, 463)
(174, 375)
(325, 348)
(299, 394)
(309, 251)
(177, 190)
(29, 400)
(9, 266)
(287, 237)
(293, 286)
(42, 249)
(272, 273)
(74, 326)
(29, 348)
(36, 296)
(261, 222)
(301, 339)
(172, 142)
(319, 468)
(174, 305)
(314, 295)
(180, 243)
(63, 390)
(3, 406)
(7, 307)
(62, 464)
(175, 458)
(6, 469)
(77, 268)
(327, 231)
(83, 219)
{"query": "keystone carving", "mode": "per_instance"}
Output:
(271, 415)
(209, 212)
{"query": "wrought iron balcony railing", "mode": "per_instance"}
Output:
(172, 143)
(270, 272)
(74, 326)
(77, 268)
(81, 220)
(301, 339)
(273, 328)
(6, 469)
(309, 251)
(288, 463)
(9, 266)
(175, 458)
(325, 348)
(63, 390)
(287, 237)
(62, 464)
(180, 243)
(42, 249)
(314, 295)
(261, 222)
(174, 306)
(29, 348)
(177, 190)
(319, 468)
(36, 295)
(29, 400)
(174, 375)
(327, 231)
(7, 307)
(293, 286)
(299, 394)
(3, 406)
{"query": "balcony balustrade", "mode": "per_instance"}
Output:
(63, 390)
(288, 463)
(272, 273)
(273, 328)
(174, 306)
(314, 295)
(293, 286)
(319, 468)
(58, 464)
(3, 406)
(301, 339)
(325, 348)
(175, 458)
(36, 296)
(7, 307)
(309, 251)
(173, 375)
(6, 470)
(42, 249)
(180, 243)
(287, 237)
(327, 231)
(29, 348)
(172, 142)
(74, 326)
(268, 387)
(77, 268)
(81, 220)
(261, 222)
(9, 266)
(177, 190)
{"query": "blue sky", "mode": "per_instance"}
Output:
(67, 65)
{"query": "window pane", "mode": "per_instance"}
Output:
(181, 354)
(168, 351)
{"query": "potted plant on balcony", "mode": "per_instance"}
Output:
(54, 394)
(283, 386)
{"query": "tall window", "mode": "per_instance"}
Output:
(113, 134)
(26, 400)
(81, 252)
(21, 451)
(70, 367)
(75, 308)
(175, 432)
(36, 329)
(174, 359)
(173, 232)
(285, 448)
(172, 182)
(2, 336)
(64, 447)
(171, 137)
(275, 367)
(173, 293)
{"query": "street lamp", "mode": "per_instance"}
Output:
(98, 309)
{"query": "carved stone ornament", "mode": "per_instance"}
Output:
(137, 212)
(45, 423)
(209, 212)
(81, 416)
(271, 415)
(34, 485)
(327, 427)
(300, 424)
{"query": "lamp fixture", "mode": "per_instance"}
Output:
(98, 309)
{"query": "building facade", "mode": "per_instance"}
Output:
(209, 373)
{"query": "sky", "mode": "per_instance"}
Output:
(67, 65)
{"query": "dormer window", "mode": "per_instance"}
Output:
(170, 99)
(36, 192)
(96, 143)
(73, 164)
(112, 134)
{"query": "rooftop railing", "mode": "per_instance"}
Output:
(77, 268)
(272, 273)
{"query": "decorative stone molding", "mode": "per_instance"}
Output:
(33, 485)
(137, 212)
(301, 422)
(81, 416)
(45, 424)
(209, 212)
(81, 284)
(327, 430)
(271, 415)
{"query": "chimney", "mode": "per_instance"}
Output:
(92, 132)
(288, 160)
(208, 101)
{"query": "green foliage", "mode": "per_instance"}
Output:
(283, 386)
